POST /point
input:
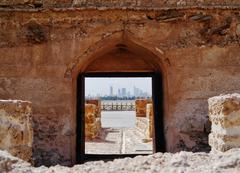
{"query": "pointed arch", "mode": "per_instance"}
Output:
(113, 42)
(125, 43)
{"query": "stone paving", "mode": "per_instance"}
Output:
(119, 136)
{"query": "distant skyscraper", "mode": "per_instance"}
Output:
(128, 94)
(136, 92)
(124, 92)
(119, 93)
(111, 91)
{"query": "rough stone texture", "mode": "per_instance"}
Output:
(16, 133)
(140, 105)
(224, 113)
(38, 4)
(227, 162)
(149, 113)
(92, 123)
(42, 52)
(97, 103)
(142, 124)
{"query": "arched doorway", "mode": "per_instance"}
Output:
(121, 60)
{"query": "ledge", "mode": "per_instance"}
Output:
(220, 7)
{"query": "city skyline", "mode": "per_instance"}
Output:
(118, 86)
(123, 92)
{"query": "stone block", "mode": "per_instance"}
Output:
(92, 123)
(149, 112)
(224, 113)
(142, 124)
(97, 103)
(145, 124)
(16, 133)
(141, 107)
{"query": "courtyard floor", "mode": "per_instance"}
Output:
(119, 136)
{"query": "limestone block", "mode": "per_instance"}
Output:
(16, 133)
(141, 107)
(142, 124)
(97, 103)
(224, 113)
(92, 123)
(149, 113)
(145, 124)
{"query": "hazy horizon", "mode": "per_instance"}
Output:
(94, 86)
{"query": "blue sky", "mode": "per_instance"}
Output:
(93, 86)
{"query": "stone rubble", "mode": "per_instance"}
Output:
(16, 131)
(159, 163)
(224, 113)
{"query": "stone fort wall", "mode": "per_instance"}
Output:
(198, 49)
(114, 3)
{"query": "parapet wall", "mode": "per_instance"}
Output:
(16, 133)
(224, 113)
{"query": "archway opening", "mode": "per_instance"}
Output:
(123, 61)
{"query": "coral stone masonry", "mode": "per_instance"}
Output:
(16, 132)
(97, 103)
(141, 107)
(92, 121)
(224, 113)
(46, 46)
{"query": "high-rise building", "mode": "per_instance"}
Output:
(136, 91)
(124, 92)
(111, 91)
(128, 94)
(119, 93)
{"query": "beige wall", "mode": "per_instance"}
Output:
(41, 54)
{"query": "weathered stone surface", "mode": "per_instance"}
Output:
(145, 123)
(224, 113)
(21, 3)
(141, 107)
(194, 57)
(113, 3)
(149, 112)
(142, 124)
(16, 133)
(97, 103)
(92, 123)
(159, 162)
